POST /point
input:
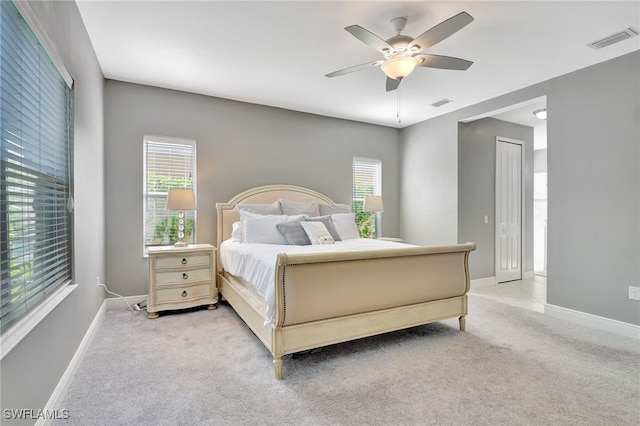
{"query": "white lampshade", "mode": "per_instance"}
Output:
(372, 203)
(399, 67)
(181, 199)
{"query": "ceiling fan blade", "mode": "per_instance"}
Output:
(392, 84)
(443, 62)
(368, 38)
(355, 68)
(441, 31)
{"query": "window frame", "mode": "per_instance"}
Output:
(364, 220)
(37, 175)
(190, 181)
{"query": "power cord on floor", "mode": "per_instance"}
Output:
(135, 308)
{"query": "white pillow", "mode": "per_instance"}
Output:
(329, 209)
(295, 207)
(317, 233)
(236, 232)
(245, 214)
(345, 224)
(262, 229)
(263, 209)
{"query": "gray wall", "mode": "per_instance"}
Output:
(594, 189)
(477, 188)
(239, 146)
(32, 369)
(430, 183)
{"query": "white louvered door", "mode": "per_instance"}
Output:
(508, 210)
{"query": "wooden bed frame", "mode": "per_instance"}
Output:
(327, 298)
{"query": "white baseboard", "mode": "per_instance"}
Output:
(595, 321)
(483, 282)
(59, 393)
(527, 275)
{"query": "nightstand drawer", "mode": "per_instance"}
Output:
(182, 294)
(183, 277)
(187, 261)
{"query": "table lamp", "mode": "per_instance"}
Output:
(181, 200)
(373, 204)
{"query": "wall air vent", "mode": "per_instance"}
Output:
(613, 38)
(441, 102)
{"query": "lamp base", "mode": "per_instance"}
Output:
(181, 244)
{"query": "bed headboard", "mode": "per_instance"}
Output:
(228, 214)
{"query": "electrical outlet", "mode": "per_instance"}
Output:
(634, 293)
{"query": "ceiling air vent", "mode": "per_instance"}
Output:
(613, 38)
(441, 102)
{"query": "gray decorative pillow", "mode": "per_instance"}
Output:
(295, 207)
(328, 223)
(294, 233)
(329, 209)
(263, 209)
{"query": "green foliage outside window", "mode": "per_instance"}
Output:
(162, 183)
(166, 230)
(366, 226)
(364, 220)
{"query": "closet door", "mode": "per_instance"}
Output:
(508, 210)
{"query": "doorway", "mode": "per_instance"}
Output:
(508, 213)
(540, 223)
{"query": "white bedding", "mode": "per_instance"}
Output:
(255, 263)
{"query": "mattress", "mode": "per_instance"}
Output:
(255, 263)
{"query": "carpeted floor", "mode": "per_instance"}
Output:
(511, 367)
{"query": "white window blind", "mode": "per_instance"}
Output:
(367, 180)
(36, 163)
(168, 163)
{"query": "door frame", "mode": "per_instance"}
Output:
(522, 205)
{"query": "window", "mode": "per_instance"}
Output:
(367, 180)
(168, 163)
(36, 163)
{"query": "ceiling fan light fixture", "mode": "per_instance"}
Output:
(399, 67)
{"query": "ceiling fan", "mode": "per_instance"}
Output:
(402, 54)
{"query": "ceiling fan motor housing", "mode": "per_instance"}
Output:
(399, 44)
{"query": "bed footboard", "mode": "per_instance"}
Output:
(323, 298)
(318, 286)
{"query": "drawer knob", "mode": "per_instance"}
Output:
(185, 276)
(184, 293)
(184, 261)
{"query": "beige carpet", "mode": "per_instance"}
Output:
(511, 367)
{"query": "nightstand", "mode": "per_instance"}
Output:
(181, 277)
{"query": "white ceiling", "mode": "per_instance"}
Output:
(277, 52)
